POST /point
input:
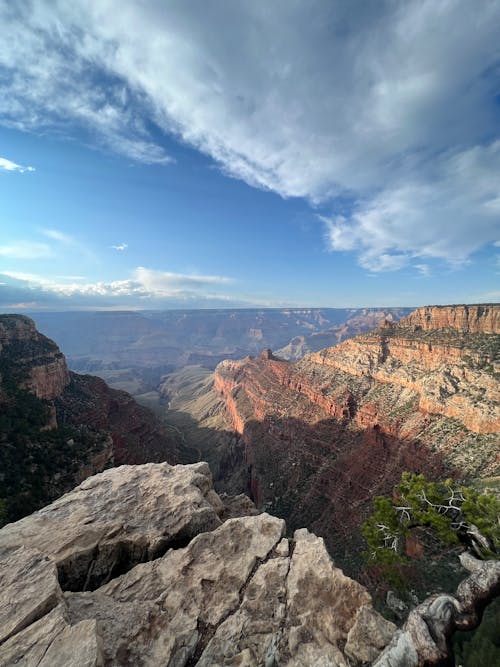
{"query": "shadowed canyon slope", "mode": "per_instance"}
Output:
(143, 566)
(57, 427)
(320, 437)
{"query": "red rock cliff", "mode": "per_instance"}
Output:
(46, 373)
(482, 318)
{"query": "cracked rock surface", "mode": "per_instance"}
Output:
(151, 576)
(117, 519)
(135, 567)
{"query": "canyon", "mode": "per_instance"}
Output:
(148, 561)
(319, 438)
(133, 350)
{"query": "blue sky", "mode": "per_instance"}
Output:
(157, 155)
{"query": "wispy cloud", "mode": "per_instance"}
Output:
(120, 246)
(25, 250)
(59, 236)
(65, 239)
(383, 103)
(8, 165)
(447, 217)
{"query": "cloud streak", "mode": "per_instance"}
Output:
(391, 106)
(146, 287)
(25, 250)
(8, 165)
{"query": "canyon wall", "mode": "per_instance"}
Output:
(37, 358)
(339, 426)
(481, 318)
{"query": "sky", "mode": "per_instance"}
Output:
(198, 154)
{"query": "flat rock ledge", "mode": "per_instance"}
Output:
(137, 567)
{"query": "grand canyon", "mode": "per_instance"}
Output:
(298, 444)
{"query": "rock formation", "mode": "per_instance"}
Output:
(132, 350)
(38, 359)
(481, 318)
(358, 323)
(136, 567)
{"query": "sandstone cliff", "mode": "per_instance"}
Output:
(481, 318)
(136, 567)
(40, 365)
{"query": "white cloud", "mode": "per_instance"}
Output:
(8, 165)
(144, 284)
(25, 250)
(57, 235)
(164, 283)
(391, 105)
(120, 246)
(446, 218)
(424, 270)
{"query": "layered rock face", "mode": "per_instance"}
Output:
(40, 361)
(322, 436)
(137, 435)
(137, 567)
(483, 318)
(132, 350)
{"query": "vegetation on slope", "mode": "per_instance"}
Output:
(455, 513)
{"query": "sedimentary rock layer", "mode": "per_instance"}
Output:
(40, 364)
(481, 318)
(340, 426)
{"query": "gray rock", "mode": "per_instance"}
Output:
(208, 593)
(29, 590)
(184, 594)
(369, 635)
(118, 518)
(53, 642)
(322, 605)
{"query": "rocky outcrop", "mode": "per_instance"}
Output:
(481, 318)
(136, 567)
(192, 590)
(119, 518)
